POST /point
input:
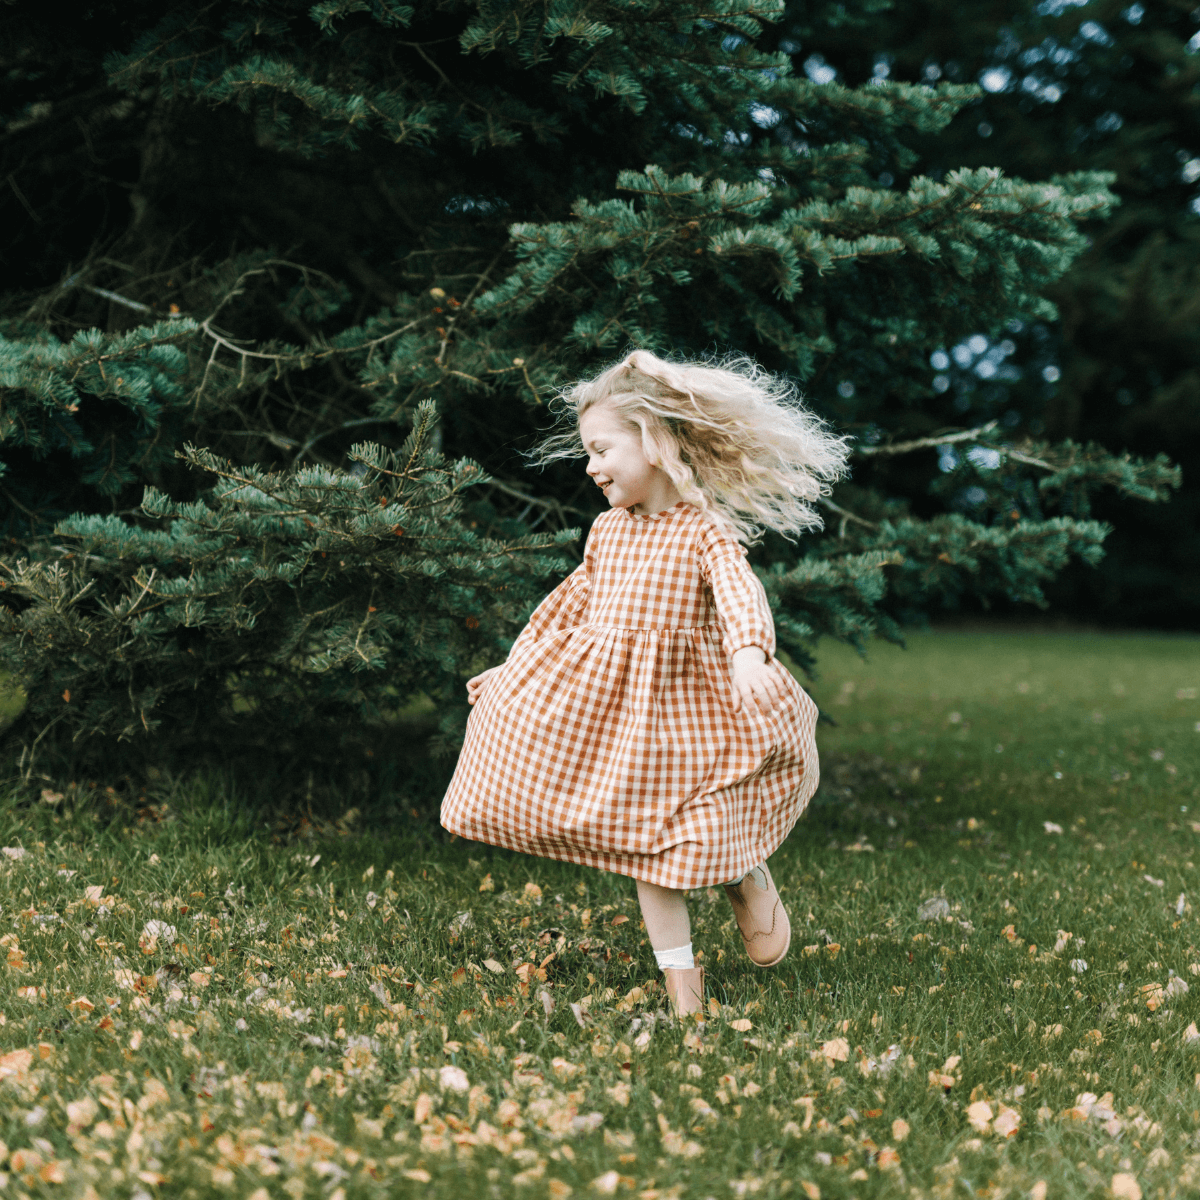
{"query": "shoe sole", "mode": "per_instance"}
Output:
(778, 958)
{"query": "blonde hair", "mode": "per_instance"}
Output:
(735, 440)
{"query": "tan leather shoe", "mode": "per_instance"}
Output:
(685, 989)
(766, 930)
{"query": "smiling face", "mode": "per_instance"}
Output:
(619, 466)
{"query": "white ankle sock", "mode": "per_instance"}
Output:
(680, 958)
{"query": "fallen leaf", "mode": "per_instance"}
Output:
(493, 966)
(836, 1050)
(980, 1115)
(1007, 1122)
(454, 1079)
(742, 1025)
(900, 1129)
(1125, 1187)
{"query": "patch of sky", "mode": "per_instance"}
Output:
(1040, 89)
(984, 457)
(1095, 32)
(1109, 122)
(962, 354)
(882, 68)
(941, 383)
(1194, 205)
(1191, 170)
(818, 70)
(973, 496)
(931, 72)
(1051, 374)
(995, 79)
(766, 175)
(1193, 44)
(977, 344)
(789, 46)
(1056, 8)
(939, 360)
(764, 115)
(948, 459)
(845, 389)
(1133, 14)
(475, 204)
(733, 138)
(732, 41)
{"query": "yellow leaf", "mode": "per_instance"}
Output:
(900, 1129)
(1007, 1122)
(836, 1050)
(980, 1115)
(82, 1112)
(15, 1061)
(493, 966)
(810, 1189)
(486, 884)
(55, 1172)
(1125, 1187)
(742, 1025)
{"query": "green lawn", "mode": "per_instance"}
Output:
(192, 1010)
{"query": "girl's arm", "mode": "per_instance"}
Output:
(738, 595)
(560, 610)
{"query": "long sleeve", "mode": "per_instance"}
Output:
(559, 610)
(739, 597)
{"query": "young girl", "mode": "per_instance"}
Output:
(641, 723)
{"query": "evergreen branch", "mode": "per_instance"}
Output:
(967, 435)
(537, 502)
(846, 516)
(463, 307)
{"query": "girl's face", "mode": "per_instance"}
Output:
(619, 466)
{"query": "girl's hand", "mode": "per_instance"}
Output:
(475, 685)
(756, 682)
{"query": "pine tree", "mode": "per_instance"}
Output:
(1107, 85)
(337, 216)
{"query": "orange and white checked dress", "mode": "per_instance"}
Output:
(608, 737)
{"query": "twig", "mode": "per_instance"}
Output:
(967, 435)
(846, 516)
(551, 505)
(1030, 460)
(462, 308)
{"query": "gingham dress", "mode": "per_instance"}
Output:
(608, 737)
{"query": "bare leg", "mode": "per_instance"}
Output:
(665, 913)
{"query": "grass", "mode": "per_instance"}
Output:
(383, 1013)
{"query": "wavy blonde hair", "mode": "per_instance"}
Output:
(735, 440)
